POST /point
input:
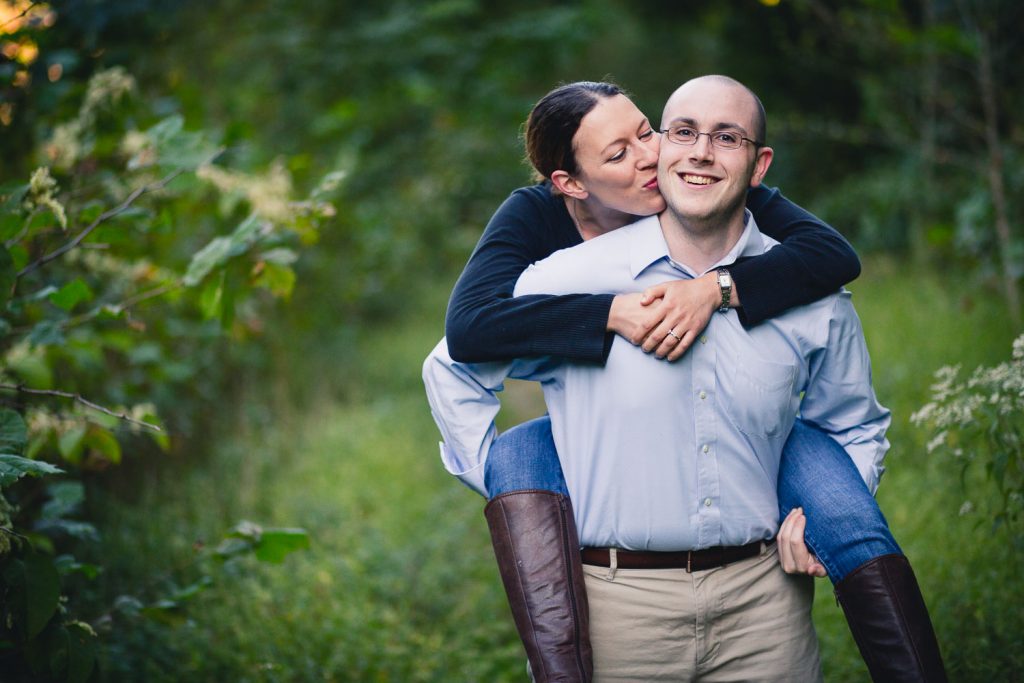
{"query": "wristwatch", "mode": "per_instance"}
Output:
(725, 285)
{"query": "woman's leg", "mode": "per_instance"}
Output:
(873, 579)
(534, 537)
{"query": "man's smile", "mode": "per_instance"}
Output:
(693, 179)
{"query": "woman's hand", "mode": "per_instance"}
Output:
(633, 320)
(793, 553)
(685, 306)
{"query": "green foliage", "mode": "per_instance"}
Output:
(108, 337)
(979, 421)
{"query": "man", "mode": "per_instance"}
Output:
(672, 468)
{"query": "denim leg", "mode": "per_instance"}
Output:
(524, 458)
(845, 527)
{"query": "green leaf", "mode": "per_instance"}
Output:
(63, 652)
(67, 565)
(11, 196)
(221, 249)
(46, 333)
(206, 259)
(71, 294)
(191, 590)
(8, 274)
(65, 499)
(68, 527)
(281, 256)
(280, 280)
(211, 299)
(19, 255)
(13, 432)
(72, 442)
(14, 467)
(81, 656)
(35, 591)
(230, 547)
(101, 440)
(160, 438)
(275, 544)
(31, 368)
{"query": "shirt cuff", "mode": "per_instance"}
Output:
(470, 474)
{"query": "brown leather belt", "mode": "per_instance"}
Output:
(690, 560)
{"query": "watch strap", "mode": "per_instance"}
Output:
(725, 286)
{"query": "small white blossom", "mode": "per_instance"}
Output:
(41, 190)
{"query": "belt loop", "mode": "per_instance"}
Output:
(613, 562)
(689, 561)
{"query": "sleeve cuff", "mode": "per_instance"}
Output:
(469, 473)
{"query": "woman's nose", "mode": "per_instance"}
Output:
(649, 155)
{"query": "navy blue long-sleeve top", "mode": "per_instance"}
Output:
(486, 323)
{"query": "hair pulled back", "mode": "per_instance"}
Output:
(553, 123)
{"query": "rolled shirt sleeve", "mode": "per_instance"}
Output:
(464, 402)
(839, 397)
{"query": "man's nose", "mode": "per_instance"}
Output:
(702, 150)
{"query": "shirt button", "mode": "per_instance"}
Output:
(703, 395)
(706, 448)
(707, 502)
(704, 339)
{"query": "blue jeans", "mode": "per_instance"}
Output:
(845, 527)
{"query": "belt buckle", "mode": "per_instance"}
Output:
(689, 560)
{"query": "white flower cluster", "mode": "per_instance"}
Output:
(990, 394)
(68, 143)
(41, 190)
(270, 194)
(982, 419)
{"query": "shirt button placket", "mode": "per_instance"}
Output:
(703, 359)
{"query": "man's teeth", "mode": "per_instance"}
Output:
(698, 179)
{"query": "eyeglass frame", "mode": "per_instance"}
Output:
(711, 140)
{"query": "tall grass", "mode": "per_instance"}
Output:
(400, 583)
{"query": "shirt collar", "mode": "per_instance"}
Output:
(647, 245)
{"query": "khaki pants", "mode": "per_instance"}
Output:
(748, 621)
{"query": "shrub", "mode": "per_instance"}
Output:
(979, 421)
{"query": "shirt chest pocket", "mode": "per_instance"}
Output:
(758, 397)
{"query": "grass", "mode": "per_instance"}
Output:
(400, 583)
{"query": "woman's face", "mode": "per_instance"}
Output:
(617, 153)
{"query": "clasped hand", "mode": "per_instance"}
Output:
(667, 318)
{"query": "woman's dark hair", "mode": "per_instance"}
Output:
(553, 123)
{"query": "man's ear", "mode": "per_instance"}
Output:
(568, 185)
(761, 164)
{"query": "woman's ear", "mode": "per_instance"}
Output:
(568, 185)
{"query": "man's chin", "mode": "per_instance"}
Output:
(701, 216)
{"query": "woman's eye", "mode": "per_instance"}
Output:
(646, 135)
(618, 156)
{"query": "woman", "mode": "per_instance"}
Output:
(597, 180)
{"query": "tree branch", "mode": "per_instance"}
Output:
(121, 306)
(21, 389)
(102, 218)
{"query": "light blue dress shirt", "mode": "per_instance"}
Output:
(673, 456)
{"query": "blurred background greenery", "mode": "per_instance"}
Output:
(286, 369)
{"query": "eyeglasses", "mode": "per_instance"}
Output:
(722, 139)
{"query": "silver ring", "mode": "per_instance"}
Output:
(673, 334)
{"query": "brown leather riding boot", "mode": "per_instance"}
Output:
(890, 622)
(535, 542)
